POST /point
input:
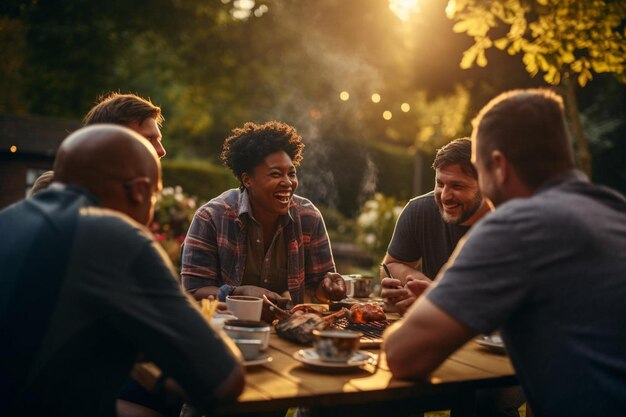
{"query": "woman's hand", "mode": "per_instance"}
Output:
(332, 288)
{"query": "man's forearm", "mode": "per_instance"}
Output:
(419, 343)
(401, 271)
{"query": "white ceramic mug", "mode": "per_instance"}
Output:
(245, 307)
(349, 280)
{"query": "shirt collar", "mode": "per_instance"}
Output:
(571, 175)
(244, 208)
(59, 186)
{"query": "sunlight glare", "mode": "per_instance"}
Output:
(242, 9)
(403, 9)
(405, 107)
(387, 115)
(344, 95)
(261, 10)
(376, 98)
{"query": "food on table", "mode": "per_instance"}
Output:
(366, 312)
(297, 325)
(309, 308)
(208, 307)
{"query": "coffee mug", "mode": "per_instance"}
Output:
(349, 280)
(363, 287)
(245, 307)
(336, 345)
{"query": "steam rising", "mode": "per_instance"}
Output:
(340, 69)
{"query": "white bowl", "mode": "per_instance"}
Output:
(246, 329)
(218, 320)
(250, 348)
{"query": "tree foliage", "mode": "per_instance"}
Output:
(562, 39)
(555, 37)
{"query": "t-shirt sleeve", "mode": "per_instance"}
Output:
(486, 278)
(200, 253)
(148, 307)
(406, 241)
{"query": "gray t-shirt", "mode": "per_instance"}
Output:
(421, 233)
(550, 270)
(114, 295)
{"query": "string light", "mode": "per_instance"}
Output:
(387, 115)
(344, 95)
(376, 98)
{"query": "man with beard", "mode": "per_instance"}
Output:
(431, 225)
(547, 267)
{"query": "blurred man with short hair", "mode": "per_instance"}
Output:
(132, 111)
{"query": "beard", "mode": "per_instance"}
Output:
(467, 210)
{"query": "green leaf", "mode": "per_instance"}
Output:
(481, 60)
(552, 76)
(600, 66)
(531, 64)
(567, 57)
(462, 26)
(468, 58)
(501, 43)
(577, 65)
(543, 63)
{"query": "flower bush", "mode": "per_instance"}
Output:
(376, 222)
(172, 217)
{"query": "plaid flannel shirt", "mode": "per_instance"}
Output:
(215, 247)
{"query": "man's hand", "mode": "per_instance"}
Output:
(332, 288)
(402, 297)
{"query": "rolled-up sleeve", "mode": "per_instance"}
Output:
(318, 254)
(200, 253)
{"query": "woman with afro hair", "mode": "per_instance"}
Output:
(261, 238)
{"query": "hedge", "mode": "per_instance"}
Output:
(334, 180)
(198, 178)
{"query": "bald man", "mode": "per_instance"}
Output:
(85, 287)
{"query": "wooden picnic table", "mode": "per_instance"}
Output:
(284, 382)
(370, 390)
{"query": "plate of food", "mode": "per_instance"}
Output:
(492, 342)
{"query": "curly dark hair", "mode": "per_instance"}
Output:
(251, 144)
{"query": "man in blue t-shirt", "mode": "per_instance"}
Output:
(547, 267)
(85, 287)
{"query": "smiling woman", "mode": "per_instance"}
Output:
(261, 239)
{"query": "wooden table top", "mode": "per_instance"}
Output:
(286, 382)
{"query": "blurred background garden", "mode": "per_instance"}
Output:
(373, 86)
